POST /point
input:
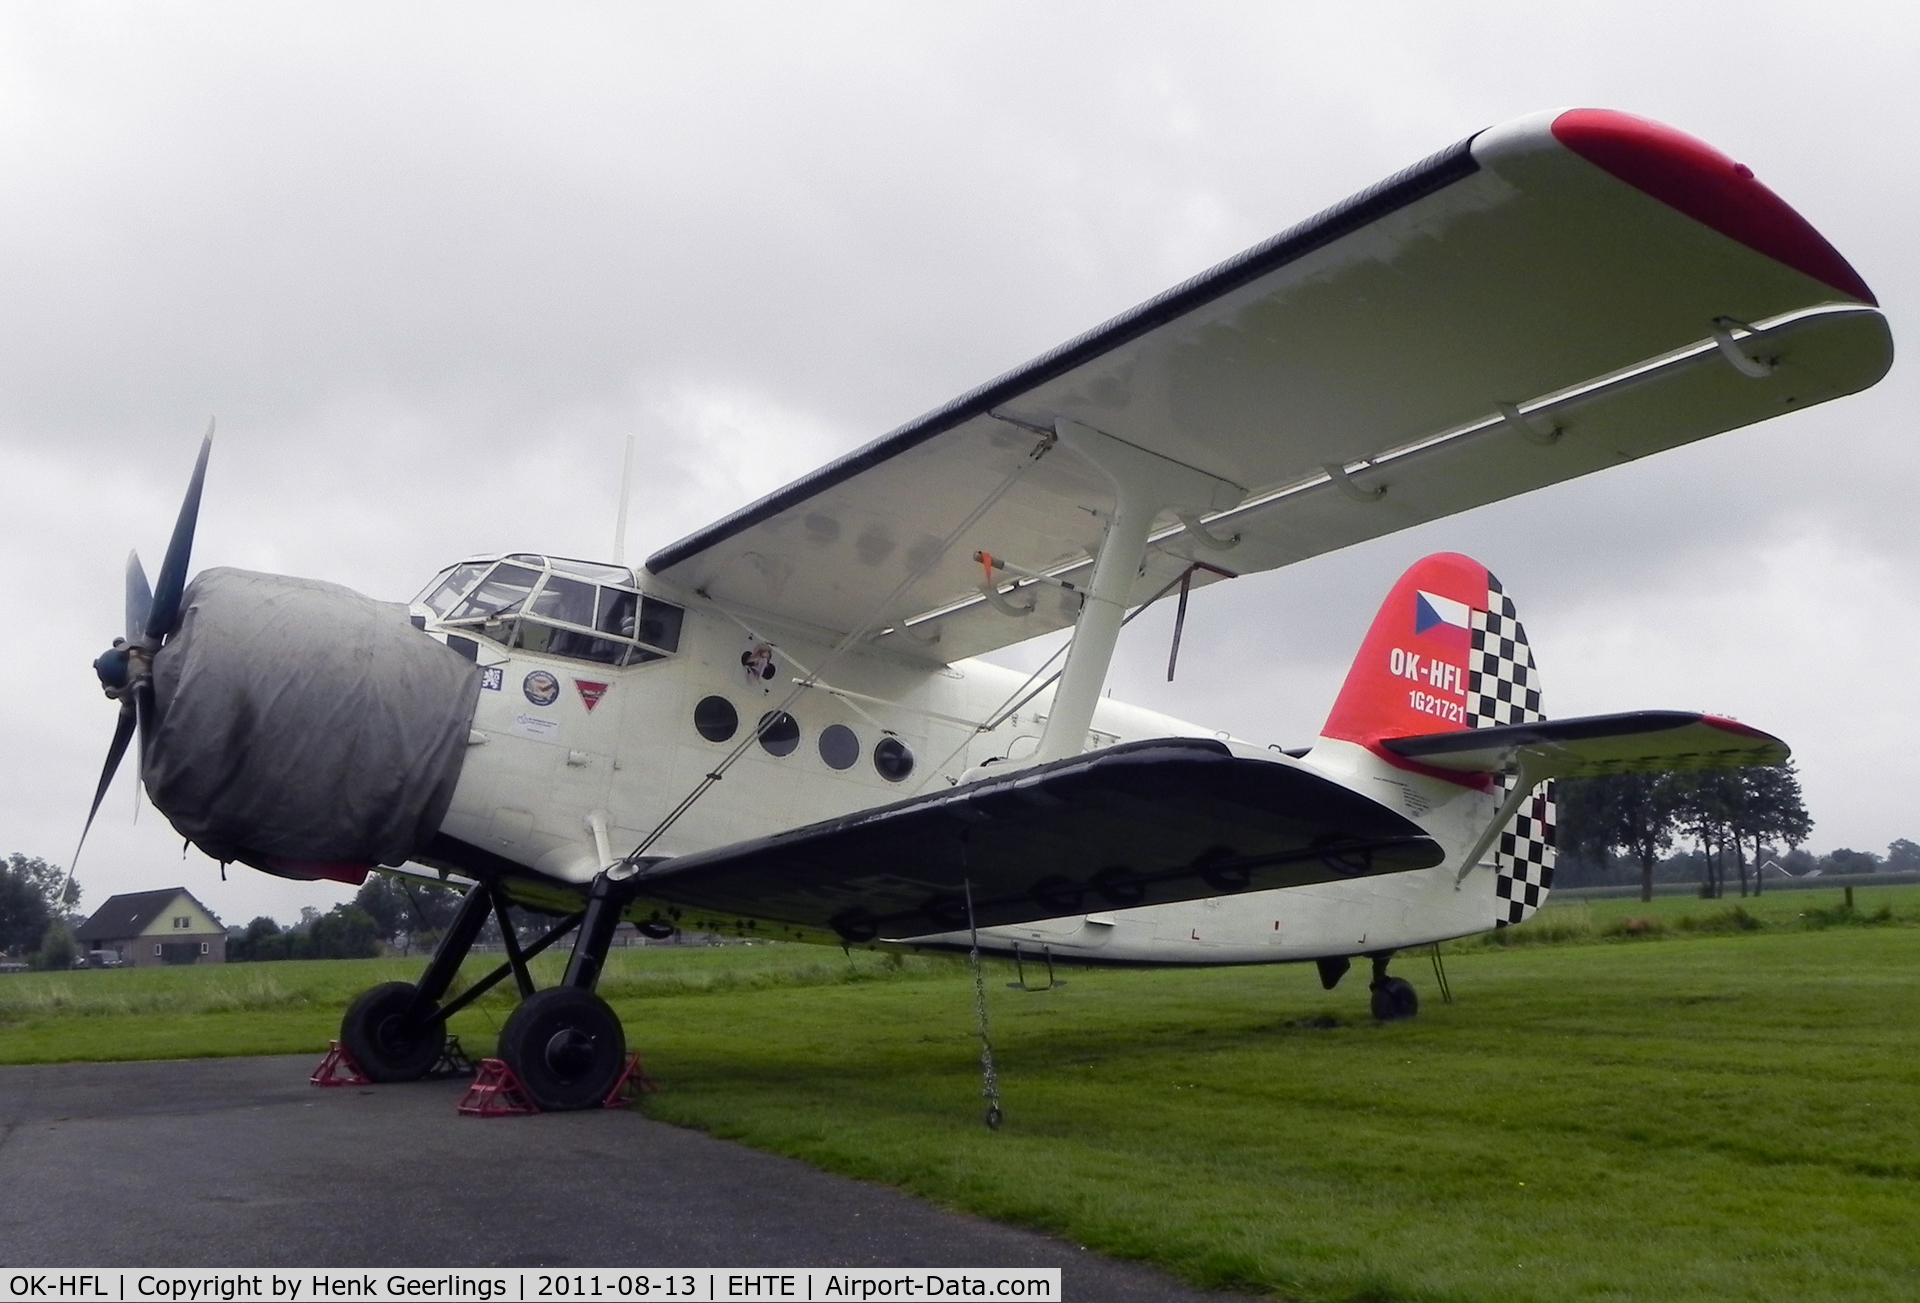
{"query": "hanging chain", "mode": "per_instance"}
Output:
(989, 1078)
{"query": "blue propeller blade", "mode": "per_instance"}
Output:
(139, 597)
(173, 570)
(122, 733)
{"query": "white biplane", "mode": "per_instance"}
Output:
(778, 727)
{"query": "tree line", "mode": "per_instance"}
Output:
(403, 914)
(1725, 813)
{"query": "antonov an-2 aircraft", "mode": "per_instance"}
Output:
(779, 727)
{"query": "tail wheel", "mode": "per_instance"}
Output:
(567, 1047)
(384, 1041)
(1394, 998)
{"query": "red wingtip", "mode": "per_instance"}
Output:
(1735, 726)
(1698, 180)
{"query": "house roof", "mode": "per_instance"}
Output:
(128, 915)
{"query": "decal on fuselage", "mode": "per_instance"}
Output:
(538, 727)
(492, 677)
(757, 663)
(541, 688)
(590, 692)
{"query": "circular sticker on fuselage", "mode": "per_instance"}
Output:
(542, 688)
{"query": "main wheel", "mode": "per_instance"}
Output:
(1394, 998)
(567, 1047)
(386, 1045)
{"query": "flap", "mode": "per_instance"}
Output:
(1508, 314)
(1145, 823)
(1596, 744)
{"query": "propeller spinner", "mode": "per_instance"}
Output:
(126, 669)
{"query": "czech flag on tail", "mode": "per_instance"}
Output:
(1443, 621)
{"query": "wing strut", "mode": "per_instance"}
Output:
(1144, 485)
(1530, 772)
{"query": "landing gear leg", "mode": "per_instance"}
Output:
(566, 1044)
(1393, 997)
(390, 1030)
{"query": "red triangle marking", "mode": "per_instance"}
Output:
(590, 692)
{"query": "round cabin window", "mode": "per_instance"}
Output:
(715, 719)
(839, 746)
(892, 758)
(779, 733)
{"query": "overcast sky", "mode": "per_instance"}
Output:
(429, 265)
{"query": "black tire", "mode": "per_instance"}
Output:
(388, 1048)
(567, 1047)
(1394, 998)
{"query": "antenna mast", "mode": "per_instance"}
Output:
(620, 521)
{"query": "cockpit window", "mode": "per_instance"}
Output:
(565, 599)
(450, 586)
(592, 570)
(615, 615)
(557, 611)
(660, 624)
(500, 593)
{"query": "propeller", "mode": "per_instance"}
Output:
(126, 668)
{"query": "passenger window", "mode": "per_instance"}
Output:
(779, 733)
(893, 759)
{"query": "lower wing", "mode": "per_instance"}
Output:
(1145, 823)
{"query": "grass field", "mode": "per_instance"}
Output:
(1727, 1110)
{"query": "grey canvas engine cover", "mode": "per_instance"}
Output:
(302, 721)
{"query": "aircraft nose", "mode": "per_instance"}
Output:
(303, 727)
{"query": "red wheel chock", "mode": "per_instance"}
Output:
(633, 1083)
(497, 1093)
(339, 1069)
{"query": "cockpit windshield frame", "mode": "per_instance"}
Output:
(555, 606)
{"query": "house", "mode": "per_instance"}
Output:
(156, 927)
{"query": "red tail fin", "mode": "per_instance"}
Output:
(1445, 653)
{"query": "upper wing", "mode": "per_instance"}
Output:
(1596, 744)
(1545, 299)
(1145, 823)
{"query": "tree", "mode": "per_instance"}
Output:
(263, 939)
(1903, 856)
(56, 947)
(1772, 809)
(1633, 814)
(404, 909)
(1847, 860)
(32, 893)
(1707, 804)
(343, 932)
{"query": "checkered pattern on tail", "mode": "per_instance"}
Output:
(1503, 687)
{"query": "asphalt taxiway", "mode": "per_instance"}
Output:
(240, 1162)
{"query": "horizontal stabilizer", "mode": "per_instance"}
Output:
(1637, 741)
(1144, 823)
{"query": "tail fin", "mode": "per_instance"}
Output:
(1447, 653)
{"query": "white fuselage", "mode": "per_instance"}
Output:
(618, 748)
